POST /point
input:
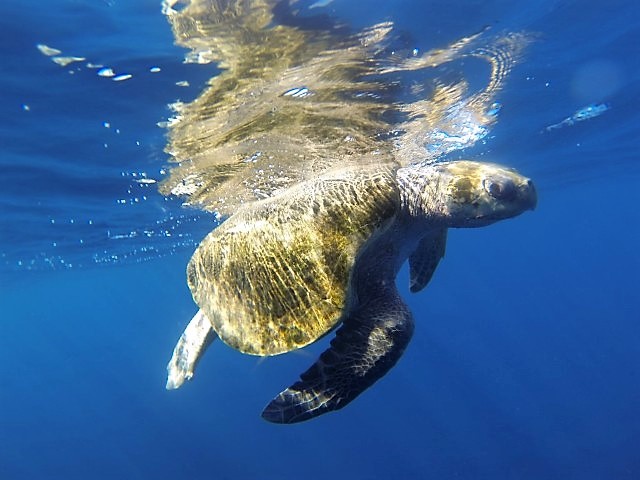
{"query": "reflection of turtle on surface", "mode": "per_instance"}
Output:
(302, 142)
(292, 103)
(282, 272)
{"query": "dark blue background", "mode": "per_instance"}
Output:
(525, 363)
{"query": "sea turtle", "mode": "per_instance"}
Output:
(282, 272)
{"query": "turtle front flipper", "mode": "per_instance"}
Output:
(193, 342)
(367, 345)
(424, 260)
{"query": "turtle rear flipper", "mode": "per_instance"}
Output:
(190, 347)
(367, 345)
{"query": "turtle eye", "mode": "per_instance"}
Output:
(502, 189)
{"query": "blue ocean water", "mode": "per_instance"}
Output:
(525, 363)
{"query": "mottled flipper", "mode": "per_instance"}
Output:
(193, 342)
(424, 260)
(366, 346)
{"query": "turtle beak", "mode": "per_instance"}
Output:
(529, 195)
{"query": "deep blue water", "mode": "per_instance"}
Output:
(525, 363)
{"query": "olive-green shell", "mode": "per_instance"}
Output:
(275, 276)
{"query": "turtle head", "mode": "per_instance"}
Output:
(470, 194)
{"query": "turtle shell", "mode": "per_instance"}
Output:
(275, 276)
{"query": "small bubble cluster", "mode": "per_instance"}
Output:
(102, 71)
